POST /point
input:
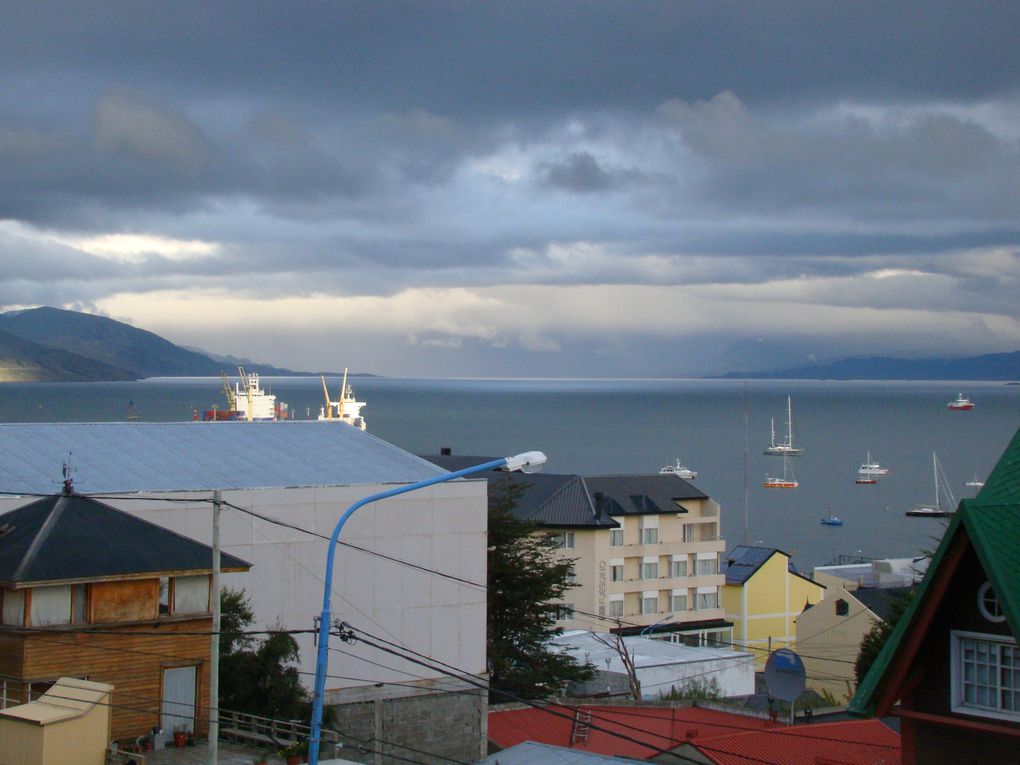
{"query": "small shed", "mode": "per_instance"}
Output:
(67, 725)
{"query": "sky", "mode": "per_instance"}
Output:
(522, 189)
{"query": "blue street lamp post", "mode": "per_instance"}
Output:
(527, 462)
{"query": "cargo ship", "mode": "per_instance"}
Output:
(247, 401)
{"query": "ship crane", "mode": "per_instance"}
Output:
(347, 409)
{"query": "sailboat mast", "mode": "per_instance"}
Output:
(789, 422)
(935, 472)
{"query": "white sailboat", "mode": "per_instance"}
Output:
(786, 448)
(788, 481)
(869, 472)
(942, 493)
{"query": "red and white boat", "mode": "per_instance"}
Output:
(960, 404)
(786, 482)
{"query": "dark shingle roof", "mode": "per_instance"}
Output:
(744, 560)
(69, 537)
(569, 500)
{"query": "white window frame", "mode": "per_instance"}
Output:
(616, 606)
(650, 567)
(706, 591)
(647, 596)
(616, 569)
(675, 605)
(678, 566)
(707, 564)
(649, 529)
(616, 537)
(564, 540)
(958, 685)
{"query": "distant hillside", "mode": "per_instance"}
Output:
(56, 345)
(990, 366)
(24, 361)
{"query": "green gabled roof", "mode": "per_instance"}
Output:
(992, 523)
(1003, 484)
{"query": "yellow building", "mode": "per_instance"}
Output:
(763, 596)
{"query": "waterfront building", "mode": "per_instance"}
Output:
(645, 550)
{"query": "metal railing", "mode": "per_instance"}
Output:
(267, 732)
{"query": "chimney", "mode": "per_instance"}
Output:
(446, 451)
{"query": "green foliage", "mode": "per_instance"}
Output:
(257, 677)
(524, 574)
(873, 641)
(695, 688)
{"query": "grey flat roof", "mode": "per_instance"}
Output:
(199, 456)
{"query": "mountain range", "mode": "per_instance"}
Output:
(52, 344)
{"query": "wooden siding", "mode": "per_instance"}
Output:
(123, 601)
(129, 657)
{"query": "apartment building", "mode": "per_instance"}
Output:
(646, 551)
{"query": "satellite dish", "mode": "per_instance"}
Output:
(784, 675)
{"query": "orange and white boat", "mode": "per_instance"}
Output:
(960, 404)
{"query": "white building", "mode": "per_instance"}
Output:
(659, 664)
(411, 571)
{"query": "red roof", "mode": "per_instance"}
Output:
(636, 732)
(848, 742)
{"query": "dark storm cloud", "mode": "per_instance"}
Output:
(364, 148)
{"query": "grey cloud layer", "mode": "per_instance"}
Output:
(360, 148)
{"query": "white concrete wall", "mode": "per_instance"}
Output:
(442, 527)
(735, 676)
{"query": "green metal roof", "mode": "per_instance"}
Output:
(992, 523)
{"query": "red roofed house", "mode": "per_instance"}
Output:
(639, 732)
(847, 742)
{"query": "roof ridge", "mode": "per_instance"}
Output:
(42, 535)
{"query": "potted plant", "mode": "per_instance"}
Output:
(180, 736)
(294, 752)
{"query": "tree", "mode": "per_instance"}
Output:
(524, 576)
(257, 677)
(875, 638)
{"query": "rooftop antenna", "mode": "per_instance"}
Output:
(67, 470)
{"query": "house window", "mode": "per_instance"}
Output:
(679, 566)
(50, 605)
(649, 568)
(616, 606)
(616, 570)
(707, 565)
(191, 594)
(571, 578)
(688, 532)
(649, 602)
(708, 598)
(988, 603)
(842, 607)
(616, 537)
(563, 612)
(564, 540)
(79, 604)
(650, 536)
(14, 607)
(986, 675)
(678, 602)
(164, 595)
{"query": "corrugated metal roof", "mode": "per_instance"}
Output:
(199, 456)
(852, 742)
(68, 537)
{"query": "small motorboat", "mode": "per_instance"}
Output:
(679, 470)
(960, 404)
(832, 520)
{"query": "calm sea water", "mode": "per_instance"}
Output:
(623, 426)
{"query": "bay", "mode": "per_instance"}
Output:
(597, 427)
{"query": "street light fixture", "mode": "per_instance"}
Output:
(528, 462)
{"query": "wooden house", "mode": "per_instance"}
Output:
(91, 592)
(951, 668)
